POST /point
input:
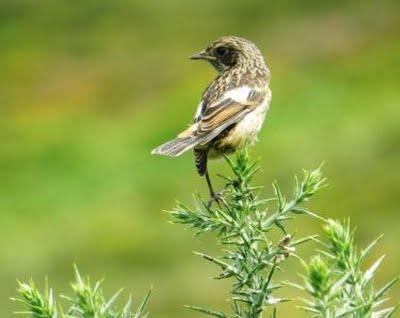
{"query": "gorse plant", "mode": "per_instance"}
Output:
(88, 301)
(336, 283)
(242, 222)
(334, 279)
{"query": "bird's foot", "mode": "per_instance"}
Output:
(216, 197)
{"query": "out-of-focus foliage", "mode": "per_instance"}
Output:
(87, 88)
(88, 301)
(337, 284)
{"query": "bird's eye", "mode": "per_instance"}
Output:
(221, 50)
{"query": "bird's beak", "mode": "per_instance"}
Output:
(203, 55)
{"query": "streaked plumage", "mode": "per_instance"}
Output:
(233, 106)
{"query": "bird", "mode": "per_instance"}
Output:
(232, 108)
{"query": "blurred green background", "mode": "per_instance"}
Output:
(88, 88)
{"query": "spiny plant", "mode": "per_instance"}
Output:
(334, 279)
(88, 301)
(336, 282)
(242, 222)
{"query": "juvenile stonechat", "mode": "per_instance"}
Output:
(233, 107)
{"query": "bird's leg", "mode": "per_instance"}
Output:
(215, 196)
(210, 187)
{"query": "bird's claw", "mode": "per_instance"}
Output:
(216, 197)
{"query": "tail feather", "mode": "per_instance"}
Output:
(176, 147)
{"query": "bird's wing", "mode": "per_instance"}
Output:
(229, 109)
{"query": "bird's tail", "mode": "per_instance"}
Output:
(176, 147)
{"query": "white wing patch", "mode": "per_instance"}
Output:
(198, 112)
(247, 129)
(239, 94)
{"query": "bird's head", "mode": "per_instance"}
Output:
(230, 51)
